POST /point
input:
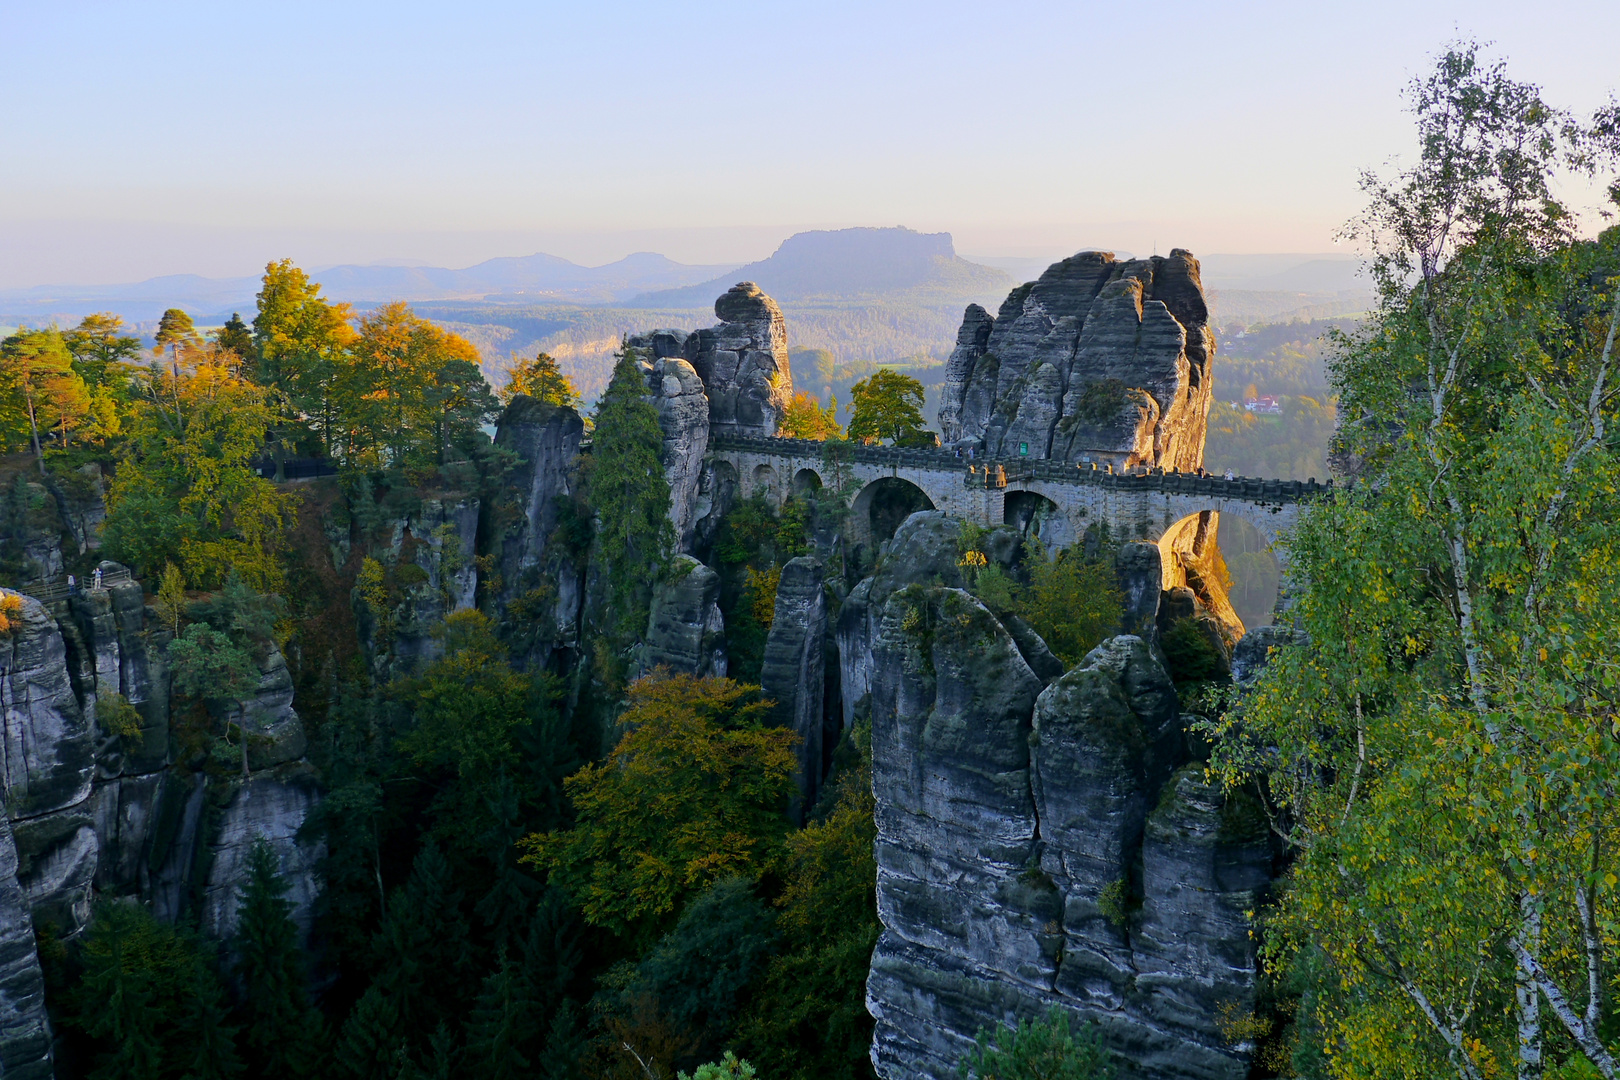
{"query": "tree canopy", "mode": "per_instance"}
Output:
(888, 405)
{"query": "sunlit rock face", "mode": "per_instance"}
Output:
(743, 362)
(1097, 360)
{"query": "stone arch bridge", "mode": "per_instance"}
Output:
(1058, 500)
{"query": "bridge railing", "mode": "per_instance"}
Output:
(994, 473)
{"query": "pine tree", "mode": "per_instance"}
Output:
(275, 1007)
(236, 336)
(627, 486)
(373, 1043)
(542, 380)
(117, 998)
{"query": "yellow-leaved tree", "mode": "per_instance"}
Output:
(189, 492)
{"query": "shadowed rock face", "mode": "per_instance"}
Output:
(794, 672)
(685, 631)
(546, 440)
(1037, 846)
(89, 807)
(25, 1030)
(1097, 359)
(743, 362)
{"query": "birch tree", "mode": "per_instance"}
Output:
(1442, 745)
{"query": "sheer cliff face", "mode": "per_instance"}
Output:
(1098, 359)
(732, 378)
(1042, 838)
(90, 810)
(743, 362)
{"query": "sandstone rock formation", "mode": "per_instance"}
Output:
(794, 672)
(25, 1029)
(685, 632)
(1097, 360)
(743, 362)
(683, 413)
(92, 809)
(1037, 846)
(546, 440)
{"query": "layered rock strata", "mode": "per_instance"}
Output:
(1037, 845)
(1097, 360)
(96, 808)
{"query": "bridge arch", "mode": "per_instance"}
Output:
(1200, 551)
(1038, 517)
(806, 481)
(765, 480)
(879, 509)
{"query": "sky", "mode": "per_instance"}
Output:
(140, 139)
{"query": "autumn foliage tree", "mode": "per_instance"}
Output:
(189, 492)
(541, 379)
(696, 791)
(805, 418)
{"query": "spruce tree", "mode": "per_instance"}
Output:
(502, 1025)
(423, 979)
(627, 487)
(275, 1008)
(213, 1039)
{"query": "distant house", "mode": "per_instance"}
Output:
(1265, 406)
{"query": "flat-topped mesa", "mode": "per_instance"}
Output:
(1097, 360)
(743, 362)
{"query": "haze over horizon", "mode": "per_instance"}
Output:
(151, 139)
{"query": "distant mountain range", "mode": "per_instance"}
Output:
(868, 295)
(846, 265)
(529, 279)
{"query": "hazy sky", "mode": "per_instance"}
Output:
(147, 138)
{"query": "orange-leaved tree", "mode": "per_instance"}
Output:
(694, 792)
(804, 418)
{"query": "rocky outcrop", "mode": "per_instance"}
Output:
(428, 548)
(794, 672)
(271, 807)
(1098, 360)
(49, 747)
(98, 803)
(1037, 847)
(1140, 571)
(685, 631)
(25, 1029)
(683, 414)
(518, 534)
(743, 362)
(49, 524)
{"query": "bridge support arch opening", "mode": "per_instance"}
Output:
(878, 511)
(806, 482)
(1228, 564)
(765, 482)
(1039, 518)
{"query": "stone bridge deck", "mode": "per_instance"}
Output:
(1065, 499)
